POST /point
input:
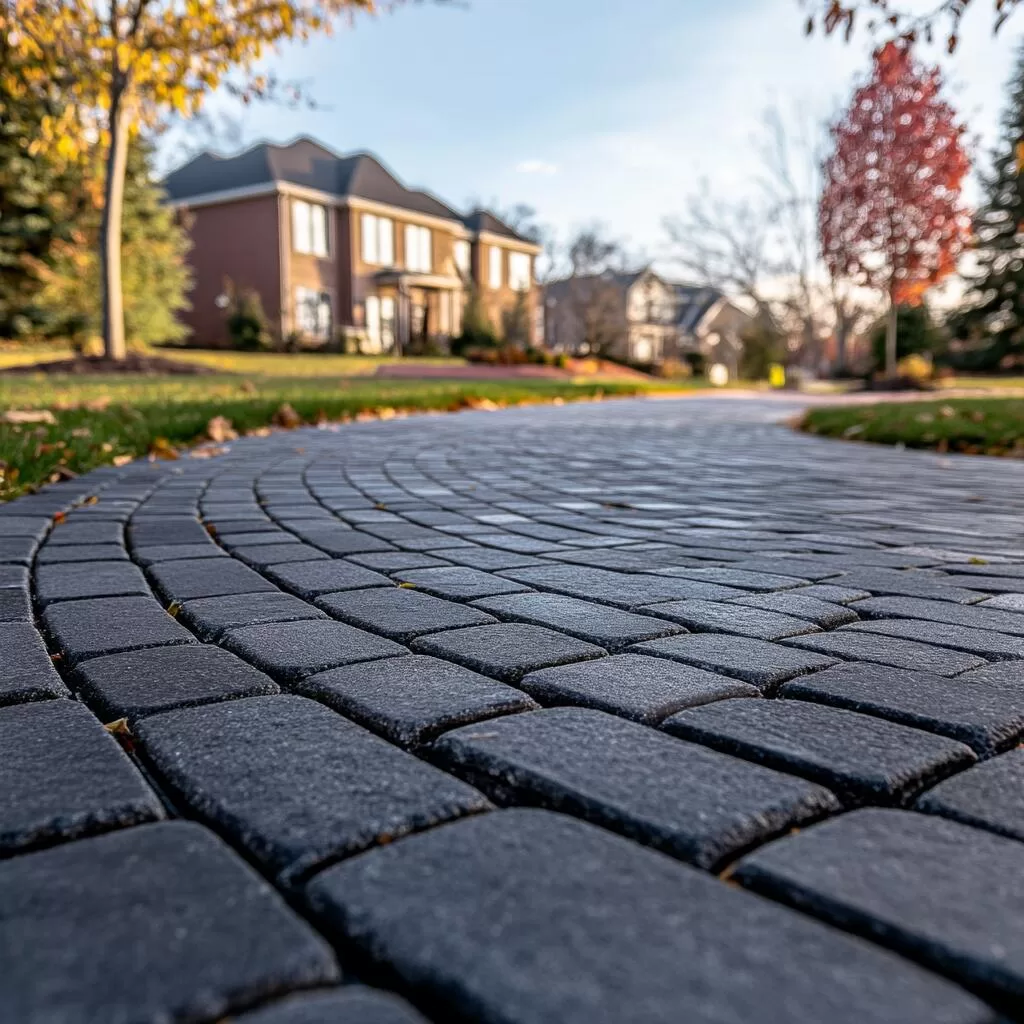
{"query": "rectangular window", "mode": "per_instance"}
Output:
(301, 241)
(309, 228)
(462, 257)
(386, 241)
(318, 229)
(373, 322)
(494, 267)
(368, 226)
(313, 313)
(418, 246)
(519, 271)
(378, 235)
(387, 323)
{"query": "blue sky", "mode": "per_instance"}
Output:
(611, 110)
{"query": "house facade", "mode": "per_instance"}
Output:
(629, 316)
(710, 328)
(643, 318)
(339, 250)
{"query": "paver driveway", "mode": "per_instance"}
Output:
(644, 711)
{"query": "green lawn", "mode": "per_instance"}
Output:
(273, 364)
(977, 426)
(105, 418)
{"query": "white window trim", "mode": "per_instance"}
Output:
(419, 245)
(304, 237)
(520, 271)
(373, 229)
(461, 245)
(304, 297)
(495, 270)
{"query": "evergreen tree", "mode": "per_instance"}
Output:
(515, 322)
(994, 315)
(156, 278)
(917, 334)
(39, 201)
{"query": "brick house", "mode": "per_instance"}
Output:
(336, 247)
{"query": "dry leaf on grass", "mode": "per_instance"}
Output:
(97, 404)
(220, 429)
(28, 416)
(161, 448)
(480, 404)
(287, 417)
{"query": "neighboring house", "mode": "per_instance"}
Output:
(643, 318)
(336, 246)
(710, 327)
(630, 316)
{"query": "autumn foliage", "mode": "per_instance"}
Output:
(890, 215)
(107, 68)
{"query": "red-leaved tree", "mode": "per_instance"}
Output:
(890, 215)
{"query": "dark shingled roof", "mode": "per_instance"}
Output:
(583, 282)
(306, 163)
(694, 303)
(481, 220)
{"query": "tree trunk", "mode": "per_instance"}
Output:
(890, 342)
(110, 233)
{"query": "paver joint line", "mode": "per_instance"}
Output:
(487, 700)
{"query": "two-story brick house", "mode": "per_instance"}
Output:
(337, 245)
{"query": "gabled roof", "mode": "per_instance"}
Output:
(695, 302)
(621, 279)
(306, 163)
(483, 220)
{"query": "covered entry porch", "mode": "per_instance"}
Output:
(411, 310)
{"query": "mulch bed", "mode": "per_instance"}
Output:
(134, 363)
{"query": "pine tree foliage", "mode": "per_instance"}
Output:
(994, 316)
(156, 276)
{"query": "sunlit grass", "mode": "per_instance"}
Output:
(274, 364)
(989, 426)
(103, 418)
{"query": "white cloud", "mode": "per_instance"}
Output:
(536, 167)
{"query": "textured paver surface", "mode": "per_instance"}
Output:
(641, 711)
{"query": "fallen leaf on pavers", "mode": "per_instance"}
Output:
(211, 529)
(258, 432)
(122, 460)
(161, 448)
(28, 416)
(120, 731)
(220, 429)
(97, 404)
(62, 473)
(58, 518)
(481, 404)
(287, 417)
(173, 608)
(209, 451)
(975, 560)
(407, 586)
